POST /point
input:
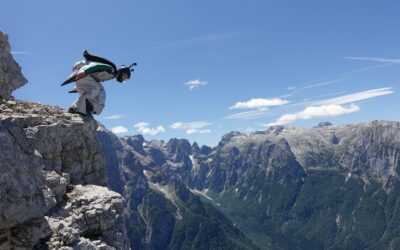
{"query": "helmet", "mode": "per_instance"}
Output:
(123, 74)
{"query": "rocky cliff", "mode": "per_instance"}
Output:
(10, 72)
(53, 176)
(53, 181)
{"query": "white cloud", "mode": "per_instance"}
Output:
(330, 110)
(192, 84)
(358, 96)
(259, 103)
(113, 117)
(143, 127)
(119, 130)
(374, 59)
(192, 127)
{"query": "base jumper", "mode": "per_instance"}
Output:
(88, 76)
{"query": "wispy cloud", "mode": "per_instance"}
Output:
(192, 127)
(192, 84)
(182, 125)
(383, 63)
(113, 117)
(320, 84)
(374, 59)
(198, 131)
(247, 115)
(358, 96)
(357, 71)
(211, 37)
(200, 39)
(144, 128)
(21, 53)
(259, 103)
(294, 90)
(331, 110)
(332, 106)
(119, 130)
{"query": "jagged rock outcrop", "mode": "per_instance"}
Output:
(11, 77)
(48, 159)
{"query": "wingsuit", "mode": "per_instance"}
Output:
(88, 76)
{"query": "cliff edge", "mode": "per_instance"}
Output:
(53, 177)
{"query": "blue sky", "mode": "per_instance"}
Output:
(206, 68)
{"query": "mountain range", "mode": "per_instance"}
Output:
(327, 187)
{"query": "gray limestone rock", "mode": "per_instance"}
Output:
(25, 235)
(11, 77)
(66, 143)
(44, 151)
(21, 182)
(57, 184)
(91, 212)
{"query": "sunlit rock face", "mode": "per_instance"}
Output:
(53, 182)
(11, 77)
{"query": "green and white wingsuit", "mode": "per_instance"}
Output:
(88, 76)
(92, 95)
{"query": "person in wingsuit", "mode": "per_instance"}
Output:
(88, 76)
